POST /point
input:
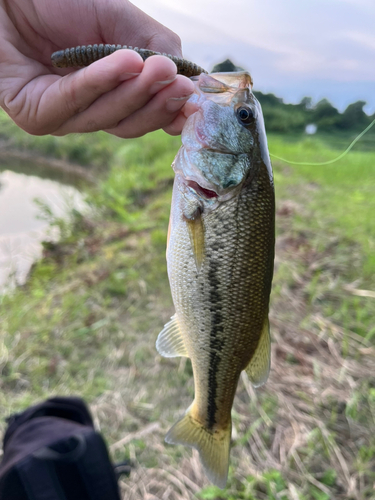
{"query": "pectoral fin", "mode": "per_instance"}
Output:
(170, 342)
(259, 366)
(196, 233)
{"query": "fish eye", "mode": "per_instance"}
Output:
(245, 115)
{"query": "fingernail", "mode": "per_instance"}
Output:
(128, 76)
(176, 103)
(156, 86)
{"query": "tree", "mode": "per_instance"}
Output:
(324, 115)
(306, 103)
(268, 99)
(354, 117)
(226, 67)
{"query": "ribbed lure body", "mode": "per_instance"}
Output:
(83, 55)
(223, 206)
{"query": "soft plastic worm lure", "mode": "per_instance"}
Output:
(83, 55)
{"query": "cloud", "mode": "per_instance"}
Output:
(365, 39)
(295, 41)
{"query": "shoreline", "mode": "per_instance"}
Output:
(30, 156)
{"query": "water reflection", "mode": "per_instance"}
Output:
(21, 229)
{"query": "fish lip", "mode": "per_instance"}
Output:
(197, 185)
(212, 196)
(200, 190)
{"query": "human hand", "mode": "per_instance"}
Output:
(120, 93)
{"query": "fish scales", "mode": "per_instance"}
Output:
(224, 305)
(220, 260)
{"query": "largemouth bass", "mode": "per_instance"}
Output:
(220, 260)
(220, 252)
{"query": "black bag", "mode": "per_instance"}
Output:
(52, 452)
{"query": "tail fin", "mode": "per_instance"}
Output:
(213, 446)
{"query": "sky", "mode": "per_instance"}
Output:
(292, 48)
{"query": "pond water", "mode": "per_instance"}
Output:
(21, 227)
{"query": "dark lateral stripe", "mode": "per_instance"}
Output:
(215, 342)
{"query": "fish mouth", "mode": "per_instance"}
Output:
(201, 191)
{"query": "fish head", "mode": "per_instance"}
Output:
(223, 140)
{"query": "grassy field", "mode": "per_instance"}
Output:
(87, 320)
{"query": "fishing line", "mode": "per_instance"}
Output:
(330, 161)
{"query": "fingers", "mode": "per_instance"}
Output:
(102, 96)
(176, 126)
(159, 112)
(144, 103)
(46, 102)
(78, 90)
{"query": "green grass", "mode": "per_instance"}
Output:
(334, 208)
(87, 150)
(87, 320)
(343, 200)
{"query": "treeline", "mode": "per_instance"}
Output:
(283, 118)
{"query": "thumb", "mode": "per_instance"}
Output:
(126, 24)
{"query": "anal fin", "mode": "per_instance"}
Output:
(170, 342)
(259, 366)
